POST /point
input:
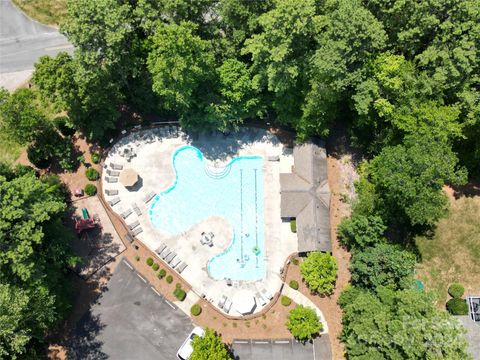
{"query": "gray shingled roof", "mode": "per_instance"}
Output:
(306, 197)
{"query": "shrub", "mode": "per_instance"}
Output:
(155, 267)
(295, 261)
(319, 271)
(196, 310)
(169, 279)
(95, 158)
(293, 284)
(179, 293)
(149, 261)
(457, 306)
(90, 189)
(162, 273)
(62, 124)
(37, 156)
(137, 258)
(92, 174)
(303, 323)
(286, 301)
(456, 290)
(293, 225)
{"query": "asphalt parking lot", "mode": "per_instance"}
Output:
(287, 349)
(130, 321)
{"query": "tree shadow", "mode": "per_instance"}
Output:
(471, 189)
(85, 344)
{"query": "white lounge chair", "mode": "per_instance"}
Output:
(175, 262)
(116, 166)
(134, 225)
(181, 267)
(110, 192)
(126, 213)
(149, 196)
(221, 303)
(114, 201)
(111, 179)
(137, 231)
(160, 249)
(227, 306)
(113, 172)
(136, 209)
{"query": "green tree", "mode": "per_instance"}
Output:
(54, 77)
(303, 323)
(348, 35)
(361, 231)
(19, 117)
(319, 270)
(237, 96)
(209, 347)
(383, 265)
(410, 177)
(182, 68)
(398, 325)
(280, 55)
(35, 249)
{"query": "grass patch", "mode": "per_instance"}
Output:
(9, 150)
(451, 254)
(50, 12)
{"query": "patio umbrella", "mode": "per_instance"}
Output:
(128, 177)
(244, 301)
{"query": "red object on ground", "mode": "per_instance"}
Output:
(81, 225)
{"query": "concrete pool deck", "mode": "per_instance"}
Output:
(153, 151)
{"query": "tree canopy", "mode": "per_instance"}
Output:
(403, 324)
(35, 251)
(383, 265)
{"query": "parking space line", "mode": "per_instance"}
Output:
(126, 263)
(141, 278)
(240, 342)
(155, 291)
(261, 342)
(170, 304)
(282, 342)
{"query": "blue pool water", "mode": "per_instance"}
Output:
(234, 193)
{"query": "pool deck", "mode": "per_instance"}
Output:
(153, 163)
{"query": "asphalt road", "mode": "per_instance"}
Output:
(23, 40)
(129, 321)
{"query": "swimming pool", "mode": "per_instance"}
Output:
(234, 192)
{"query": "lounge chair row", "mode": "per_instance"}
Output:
(171, 258)
(263, 297)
